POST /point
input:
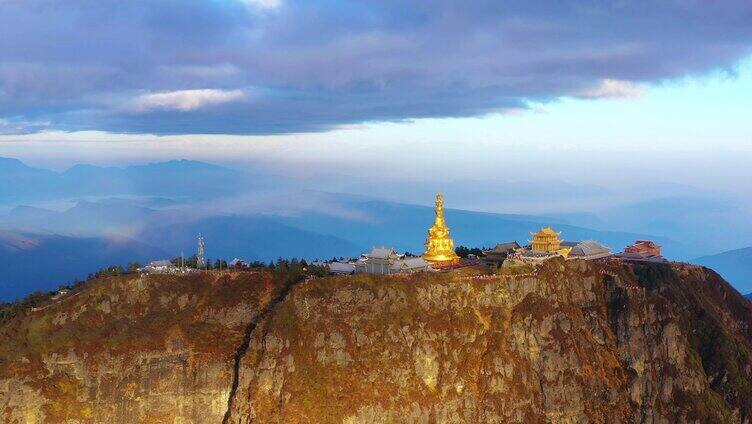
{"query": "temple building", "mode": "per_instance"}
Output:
(341, 268)
(589, 250)
(545, 244)
(497, 255)
(382, 260)
(644, 247)
(378, 261)
(642, 251)
(408, 265)
(547, 241)
(439, 246)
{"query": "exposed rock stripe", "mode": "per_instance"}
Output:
(243, 348)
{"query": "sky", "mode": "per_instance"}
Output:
(585, 92)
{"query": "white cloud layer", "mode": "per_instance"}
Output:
(613, 89)
(185, 100)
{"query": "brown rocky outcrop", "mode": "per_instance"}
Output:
(571, 342)
(137, 349)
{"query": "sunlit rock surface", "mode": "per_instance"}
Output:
(156, 349)
(571, 342)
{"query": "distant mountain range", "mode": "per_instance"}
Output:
(325, 225)
(87, 217)
(179, 178)
(84, 218)
(703, 222)
(250, 237)
(734, 265)
(404, 226)
(45, 261)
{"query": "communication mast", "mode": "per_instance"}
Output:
(201, 253)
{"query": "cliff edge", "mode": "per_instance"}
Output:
(571, 342)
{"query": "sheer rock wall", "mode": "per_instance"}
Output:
(571, 342)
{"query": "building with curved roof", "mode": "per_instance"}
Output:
(642, 251)
(589, 249)
(383, 260)
(497, 255)
(644, 247)
(547, 241)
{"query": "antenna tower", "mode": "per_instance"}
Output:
(201, 253)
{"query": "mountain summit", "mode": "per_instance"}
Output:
(572, 341)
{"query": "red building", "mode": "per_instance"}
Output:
(644, 247)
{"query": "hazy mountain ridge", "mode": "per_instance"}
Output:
(251, 237)
(734, 265)
(85, 218)
(165, 205)
(45, 261)
(347, 226)
(708, 222)
(22, 183)
(404, 227)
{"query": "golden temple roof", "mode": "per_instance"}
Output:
(547, 240)
(547, 231)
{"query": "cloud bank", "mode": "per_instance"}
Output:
(185, 100)
(613, 89)
(312, 66)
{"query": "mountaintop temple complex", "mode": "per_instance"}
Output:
(440, 254)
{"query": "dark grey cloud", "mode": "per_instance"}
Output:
(265, 66)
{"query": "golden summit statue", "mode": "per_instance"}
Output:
(439, 246)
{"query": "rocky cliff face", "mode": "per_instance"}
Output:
(570, 342)
(151, 349)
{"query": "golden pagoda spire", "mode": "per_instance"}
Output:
(439, 246)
